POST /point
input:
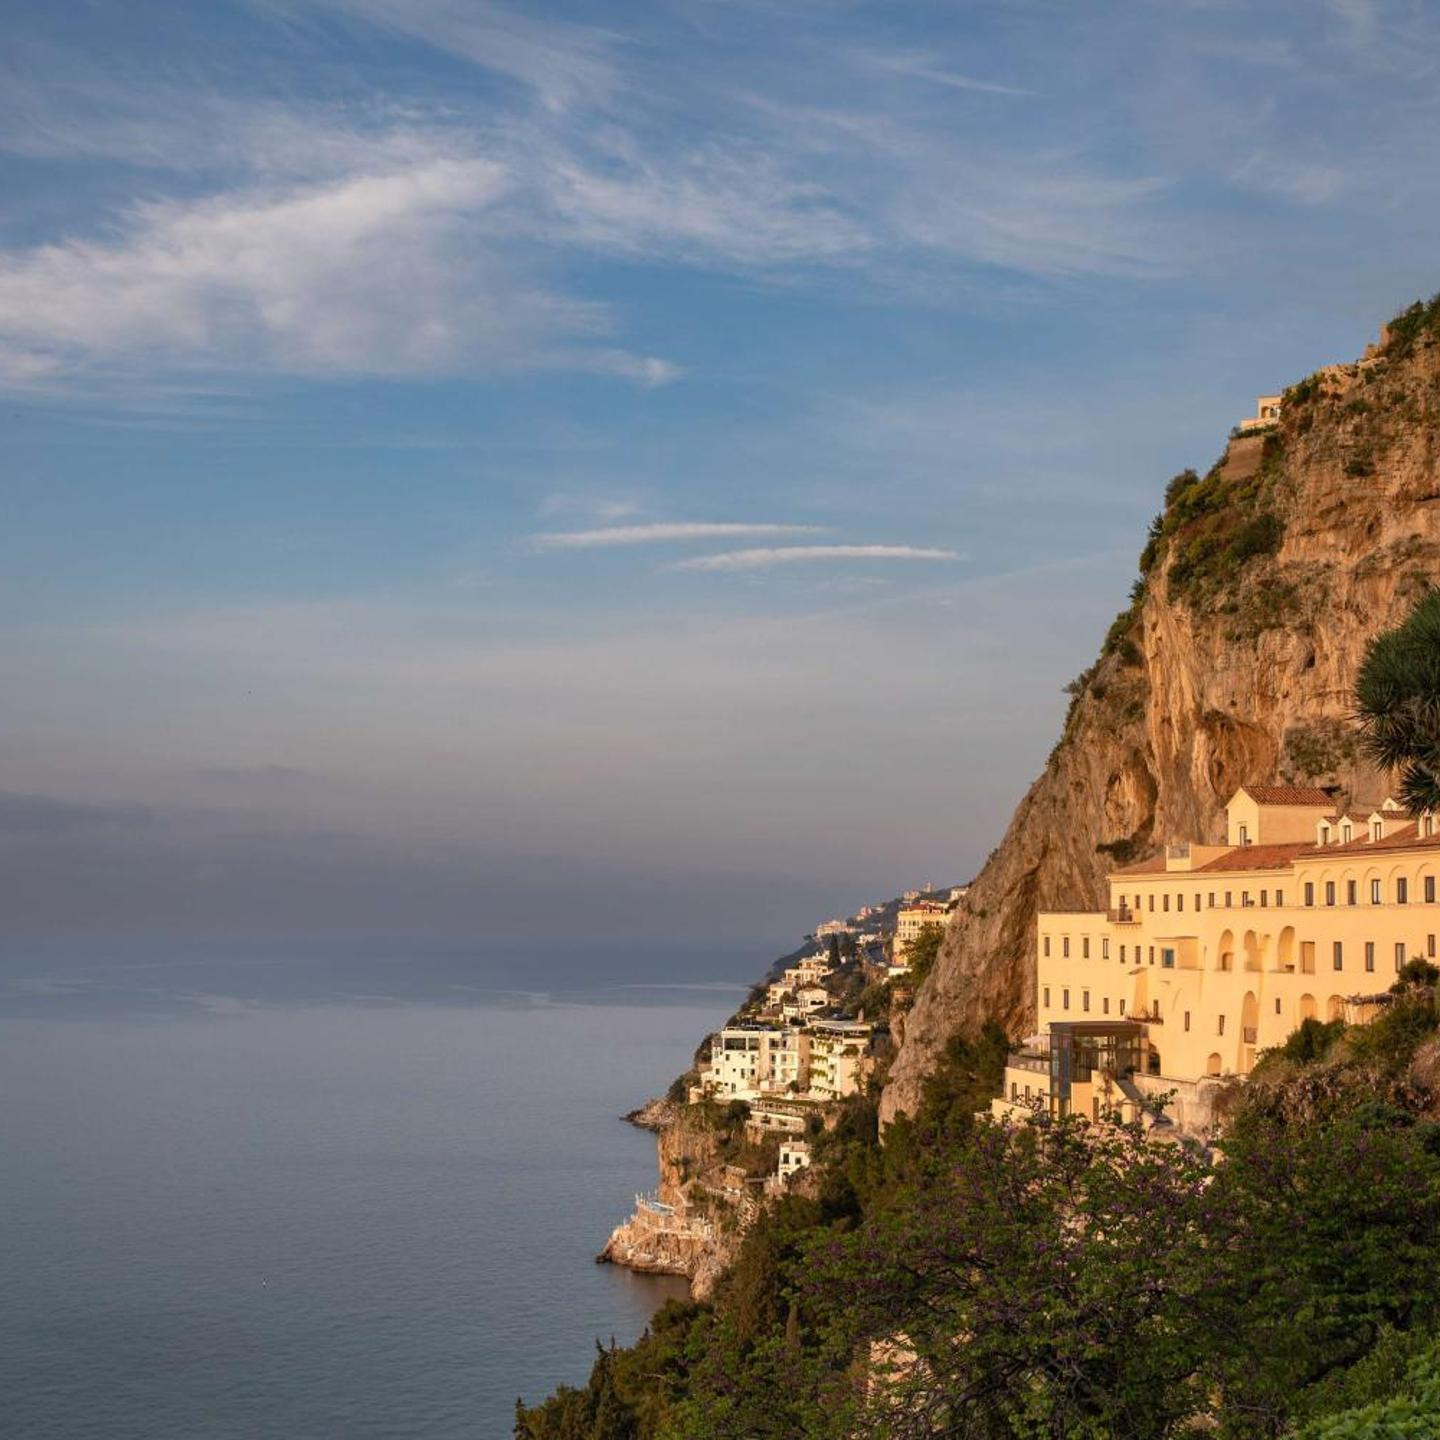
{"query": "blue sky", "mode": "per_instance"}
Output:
(624, 470)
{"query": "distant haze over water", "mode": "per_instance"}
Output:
(323, 1191)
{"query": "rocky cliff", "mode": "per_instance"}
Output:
(1260, 585)
(694, 1223)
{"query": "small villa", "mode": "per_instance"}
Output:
(1267, 413)
(1208, 953)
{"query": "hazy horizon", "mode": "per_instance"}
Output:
(617, 474)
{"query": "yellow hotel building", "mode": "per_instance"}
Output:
(1207, 954)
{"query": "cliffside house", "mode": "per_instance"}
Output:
(911, 919)
(751, 1059)
(839, 1057)
(1267, 413)
(1207, 954)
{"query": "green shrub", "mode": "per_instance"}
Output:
(1410, 325)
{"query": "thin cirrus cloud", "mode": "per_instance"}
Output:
(385, 270)
(660, 533)
(765, 558)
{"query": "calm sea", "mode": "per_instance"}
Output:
(351, 1191)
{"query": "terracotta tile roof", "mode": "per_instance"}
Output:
(1289, 795)
(1409, 838)
(1351, 815)
(1155, 865)
(1255, 857)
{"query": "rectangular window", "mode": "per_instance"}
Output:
(1167, 957)
(1085, 948)
(1152, 902)
(1220, 1026)
(1046, 945)
(1349, 892)
(1065, 946)
(1370, 955)
(1277, 1004)
(1430, 946)
(1279, 897)
(1429, 889)
(1085, 1000)
(1329, 892)
(1180, 902)
(1064, 999)
(1047, 997)
(1105, 1004)
(1187, 1019)
(1339, 953)
(1374, 892)
(1402, 890)
(1122, 1006)
(1105, 947)
(1245, 901)
(1309, 892)
(1165, 902)
(1228, 901)
(1152, 954)
(1399, 956)
(1122, 954)
(1212, 899)
(1264, 898)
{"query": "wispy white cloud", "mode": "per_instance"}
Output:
(378, 273)
(921, 65)
(765, 558)
(659, 533)
(561, 62)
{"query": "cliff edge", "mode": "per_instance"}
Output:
(1260, 585)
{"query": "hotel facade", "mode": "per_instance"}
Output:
(1208, 954)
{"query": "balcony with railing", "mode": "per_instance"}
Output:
(1122, 915)
(1032, 1059)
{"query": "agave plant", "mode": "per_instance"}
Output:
(1397, 699)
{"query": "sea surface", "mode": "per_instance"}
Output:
(350, 1190)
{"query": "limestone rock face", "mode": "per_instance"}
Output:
(694, 1224)
(1235, 665)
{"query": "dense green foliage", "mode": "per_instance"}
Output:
(1411, 324)
(1212, 526)
(1398, 696)
(1068, 1279)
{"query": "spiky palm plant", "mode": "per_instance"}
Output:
(1397, 698)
